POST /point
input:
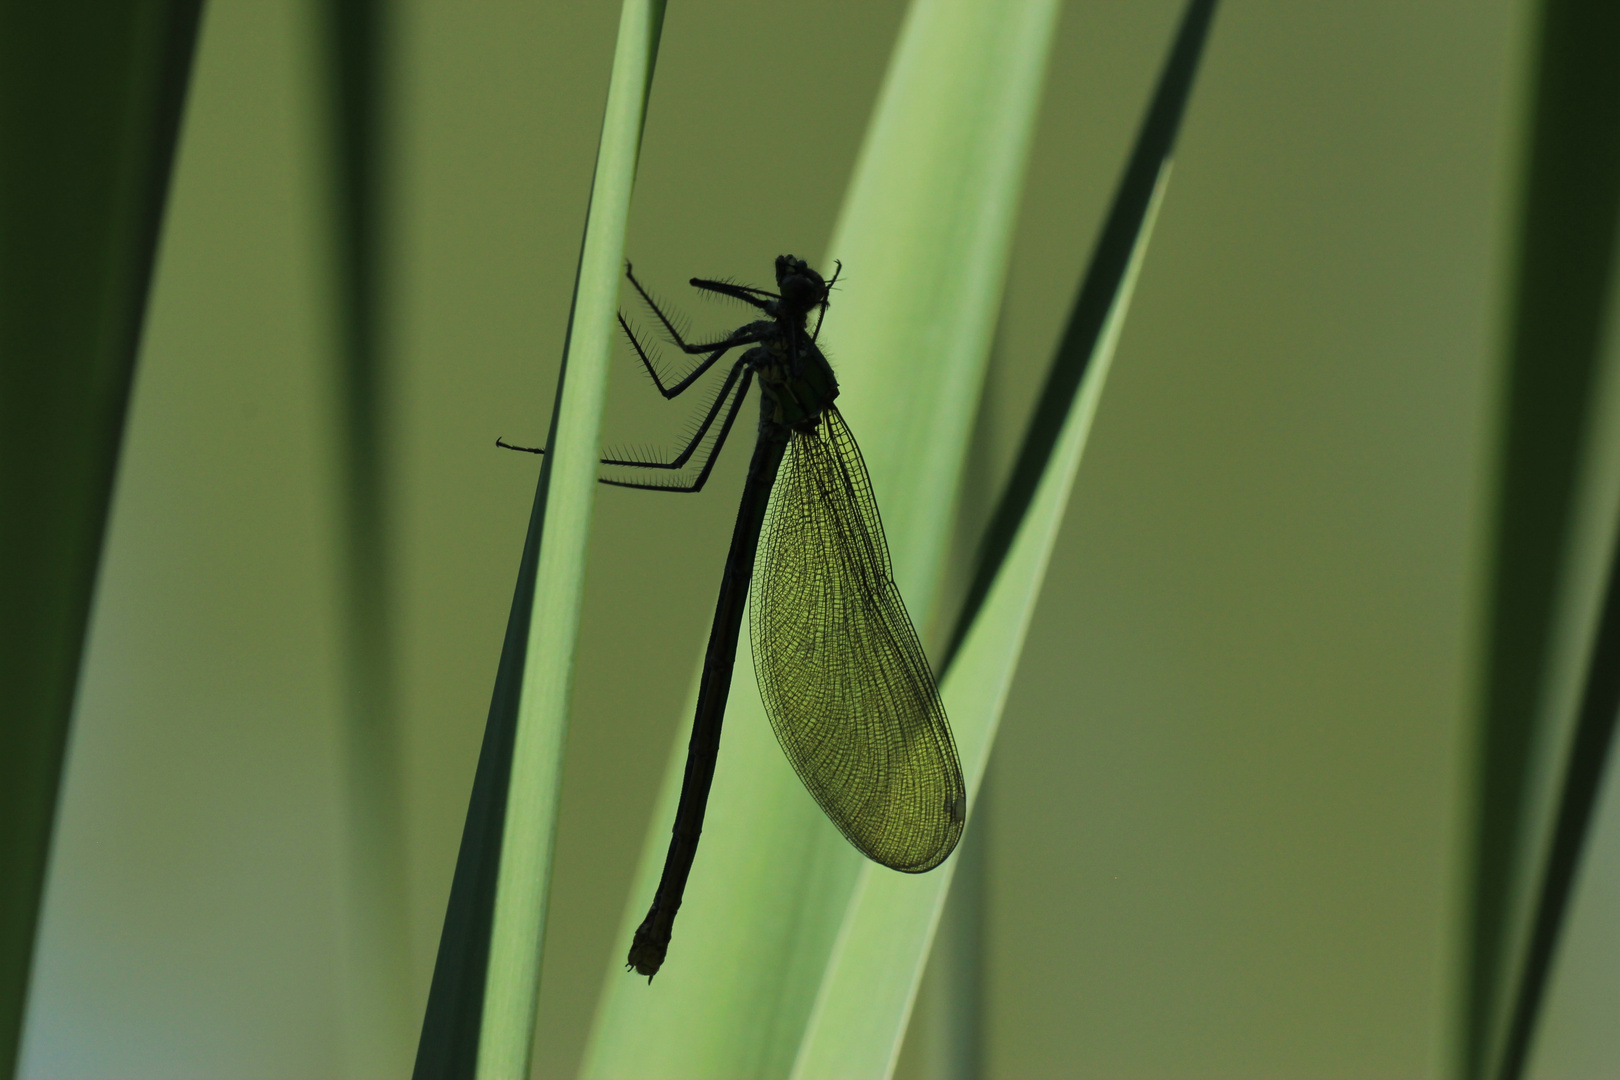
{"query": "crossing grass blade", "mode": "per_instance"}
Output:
(924, 239)
(481, 1006)
(90, 107)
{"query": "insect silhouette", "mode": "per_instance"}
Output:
(842, 674)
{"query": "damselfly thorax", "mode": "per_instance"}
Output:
(801, 387)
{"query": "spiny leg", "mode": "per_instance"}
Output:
(746, 293)
(670, 392)
(679, 460)
(685, 346)
(708, 462)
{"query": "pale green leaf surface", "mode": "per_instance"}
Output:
(871, 980)
(924, 237)
(512, 982)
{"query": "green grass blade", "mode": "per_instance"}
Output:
(1549, 428)
(481, 1005)
(379, 1024)
(90, 105)
(871, 981)
(924, 237)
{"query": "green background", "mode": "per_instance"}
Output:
(1224, 824)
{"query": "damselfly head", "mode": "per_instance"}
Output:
(802, 289)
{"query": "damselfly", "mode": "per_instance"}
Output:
(840, 669)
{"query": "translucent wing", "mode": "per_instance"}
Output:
(844, 678)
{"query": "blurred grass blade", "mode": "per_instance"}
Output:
(1539, 596)
(90, 103)
(871, 980)
(480, 1017)
(1099, 290)
(378, 1027)
(924, 238)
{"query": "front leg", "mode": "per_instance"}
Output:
(690, 348)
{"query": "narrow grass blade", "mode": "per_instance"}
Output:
(1561, 311)
(480, 1018)
(90, 105)
(871, 980)
(378, 972)
(924, 239)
